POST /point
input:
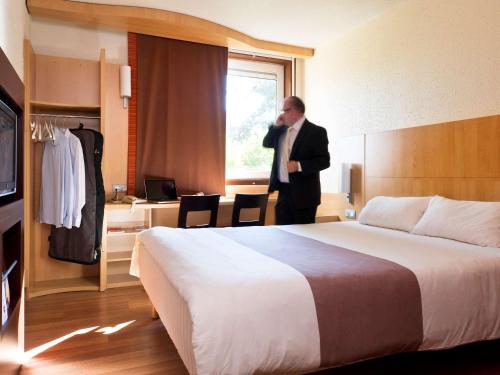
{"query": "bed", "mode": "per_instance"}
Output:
(303, 297)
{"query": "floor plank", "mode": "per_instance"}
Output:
(144, 347)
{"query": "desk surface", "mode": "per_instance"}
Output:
(224, 201)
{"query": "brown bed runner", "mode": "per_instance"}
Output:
(366, 306)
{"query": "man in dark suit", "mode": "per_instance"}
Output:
(300, 152)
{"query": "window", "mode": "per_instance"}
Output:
(255, 92)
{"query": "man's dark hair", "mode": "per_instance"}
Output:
(298, 104)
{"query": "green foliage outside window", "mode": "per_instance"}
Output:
(251, 108)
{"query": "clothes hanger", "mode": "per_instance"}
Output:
(63, 126)
(33, 130)
(42, 131)
(38, 127)
(51, 136)
(37, 133)
(45, 133)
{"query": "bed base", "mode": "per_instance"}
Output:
(170, 307)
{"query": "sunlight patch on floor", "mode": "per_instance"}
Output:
(30, 354)
(110, 330)
(39, 349)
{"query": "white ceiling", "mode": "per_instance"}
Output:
(307, 23)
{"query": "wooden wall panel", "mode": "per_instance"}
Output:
(424, 151)
(116, 130)
(29, 64)
(459, 160)
(482, 151)
(132, 114)
(454, 188)
(66, 80)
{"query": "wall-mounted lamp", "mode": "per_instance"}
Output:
(125, 84)
(345, 180)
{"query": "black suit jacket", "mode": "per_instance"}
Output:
(311, 150)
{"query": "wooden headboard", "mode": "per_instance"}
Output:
(458, 160)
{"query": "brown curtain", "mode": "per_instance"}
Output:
(181, 116)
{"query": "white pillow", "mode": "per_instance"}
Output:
(394, 213)
(477, 223)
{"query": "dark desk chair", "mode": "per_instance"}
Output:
(249, 201)
(198, 203)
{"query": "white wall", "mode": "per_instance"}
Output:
(14, 28)
(421, 62)
(50, 37)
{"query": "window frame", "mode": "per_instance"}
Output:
(287, 90)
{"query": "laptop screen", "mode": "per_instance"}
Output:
(160, 189)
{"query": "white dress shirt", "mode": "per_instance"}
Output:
(78, 166)
(62, 193)
(286, 145)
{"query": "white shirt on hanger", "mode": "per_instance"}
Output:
(78, 167)
(62, 193)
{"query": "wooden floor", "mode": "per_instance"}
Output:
(143, 346)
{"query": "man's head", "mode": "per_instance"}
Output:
(293, 109)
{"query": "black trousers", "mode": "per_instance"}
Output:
(285, 210)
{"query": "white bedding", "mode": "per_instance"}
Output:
(235, 295)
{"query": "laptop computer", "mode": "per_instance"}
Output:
(160, 190)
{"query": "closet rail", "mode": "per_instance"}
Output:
(65, 116)
(43, 130)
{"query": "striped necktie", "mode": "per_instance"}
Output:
(289, 141)
(285, 155)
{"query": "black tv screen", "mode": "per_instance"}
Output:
(8, 152)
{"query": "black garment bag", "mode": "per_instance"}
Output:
(83, 245)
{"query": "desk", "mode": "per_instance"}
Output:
(120, 227)
(327, 219)
(224, 201)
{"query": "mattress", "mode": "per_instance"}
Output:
(273, 324)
